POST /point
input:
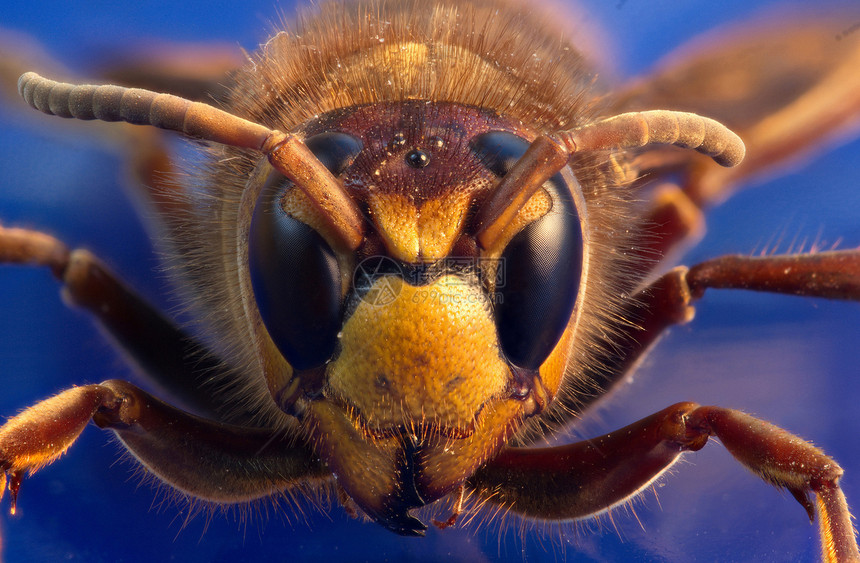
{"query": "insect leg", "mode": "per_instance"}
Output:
(834, 274)
(204, 459)
(649, 313)
(197, 71)
(675, 221)
(162, 351)
(668, 300)
(586, 478)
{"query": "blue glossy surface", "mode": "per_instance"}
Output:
(792, 361)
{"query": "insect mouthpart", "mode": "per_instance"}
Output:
(417, 431)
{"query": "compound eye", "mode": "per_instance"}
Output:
(542, 265)
(294, 272)
(335, 150)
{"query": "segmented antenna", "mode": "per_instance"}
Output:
(546, 156)
(141, 107)
(550, 153)
(286, 152)
(657, 127)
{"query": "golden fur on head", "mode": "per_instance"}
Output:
(483, 54)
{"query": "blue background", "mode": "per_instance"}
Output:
(792, 361)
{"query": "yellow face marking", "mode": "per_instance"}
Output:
(430, 355)
(396, 221)
(440, 222)
(536, 207)
(424, 234)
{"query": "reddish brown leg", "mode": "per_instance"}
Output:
(165, 353)
(675, 221)
(197, 71)
(664, 303)
(587, 478)
(668, 300)
(834, 275)
(204, 459)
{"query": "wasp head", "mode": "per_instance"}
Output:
(416, 355)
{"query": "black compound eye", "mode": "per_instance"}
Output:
(335, 150)
(294, 272)
(499, 150)
(542, 265)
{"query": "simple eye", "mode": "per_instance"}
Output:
(294, 272)
(542, 264)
